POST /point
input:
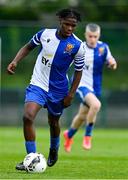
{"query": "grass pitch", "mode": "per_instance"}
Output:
(108, 159)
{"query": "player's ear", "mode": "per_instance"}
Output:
(60, 20)
(85, 34)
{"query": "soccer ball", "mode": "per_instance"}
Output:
(35, 163)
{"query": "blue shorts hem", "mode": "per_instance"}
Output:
(44, 99)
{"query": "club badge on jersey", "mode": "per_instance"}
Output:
(101, 51)
(69, 48)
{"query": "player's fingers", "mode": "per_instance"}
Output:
(114, 66)
(66, 103)
(10, 69)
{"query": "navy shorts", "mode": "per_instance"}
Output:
(44, 99)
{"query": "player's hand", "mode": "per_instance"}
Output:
(11, 68)
(68, 100)
(112, 64)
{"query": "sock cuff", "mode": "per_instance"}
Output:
(30, 146)
(30, 141)
(55, 142)
(71, 132)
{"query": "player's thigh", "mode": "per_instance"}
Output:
(55, 108)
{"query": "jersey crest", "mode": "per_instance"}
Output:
(69, 48)
(101, 51)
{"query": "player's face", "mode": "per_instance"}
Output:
(67, 26)
(92, 38)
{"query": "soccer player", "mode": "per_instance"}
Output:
(49, 84)
(97, 54)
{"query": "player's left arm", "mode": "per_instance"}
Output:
(79, 63)
(74, 86)
(111, 62)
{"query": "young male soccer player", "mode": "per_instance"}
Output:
(97, 54)
(49, 85)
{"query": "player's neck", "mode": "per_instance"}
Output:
(90, 46)
(60, 35)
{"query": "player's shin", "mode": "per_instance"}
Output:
(88, 129)
(54, 135)
(54, 140)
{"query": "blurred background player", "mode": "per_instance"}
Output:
(49, 85)
(97, 54)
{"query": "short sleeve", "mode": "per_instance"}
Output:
(108, 54)
(79, 58)
(35, 41)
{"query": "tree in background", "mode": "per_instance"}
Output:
(98, 10)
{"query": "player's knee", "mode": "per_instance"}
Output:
(96, 106)
(28, 117)
(53, 124)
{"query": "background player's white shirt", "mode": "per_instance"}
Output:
(94, 61)
(54, 59)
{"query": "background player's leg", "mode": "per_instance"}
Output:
(78, 120)
(94, 107)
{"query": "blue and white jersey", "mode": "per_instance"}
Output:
(54, 59)
(95, 58)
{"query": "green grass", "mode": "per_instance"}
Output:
(108, 158)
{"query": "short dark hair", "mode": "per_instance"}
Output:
(92, 27)
(68, 13)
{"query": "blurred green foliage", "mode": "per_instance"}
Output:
(91, 10)
(21, 13)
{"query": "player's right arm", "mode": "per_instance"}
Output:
(22, 53)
